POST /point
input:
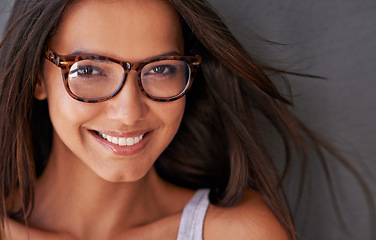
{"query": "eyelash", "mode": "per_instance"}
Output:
(77, 71)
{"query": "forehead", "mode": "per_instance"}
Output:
(126, 29)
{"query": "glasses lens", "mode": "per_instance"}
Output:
(165, 78)
(94, 79)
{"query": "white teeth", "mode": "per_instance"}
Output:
(130, 141)
(122, 141)
(115, 140)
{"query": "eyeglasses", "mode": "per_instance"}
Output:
(94, 79)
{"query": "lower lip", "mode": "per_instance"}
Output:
(123, 150)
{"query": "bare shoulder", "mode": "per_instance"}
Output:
(16, 231)
(251, 218)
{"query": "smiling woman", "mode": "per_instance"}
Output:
(123, 119)
(77, 125)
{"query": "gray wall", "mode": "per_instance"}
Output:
(337, 40)
(5, 7)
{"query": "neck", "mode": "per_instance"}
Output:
(69, 197)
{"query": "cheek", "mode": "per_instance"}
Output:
(169, 116)
(172, 113)
(66, 113)
(64, 110)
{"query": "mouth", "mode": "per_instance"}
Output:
(121, 141)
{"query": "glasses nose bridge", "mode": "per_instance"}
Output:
(127, 66)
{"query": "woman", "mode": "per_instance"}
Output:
(100, 140)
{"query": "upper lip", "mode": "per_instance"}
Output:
(123, 134)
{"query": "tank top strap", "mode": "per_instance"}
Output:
(193, 216)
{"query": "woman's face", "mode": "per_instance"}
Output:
(129, 30)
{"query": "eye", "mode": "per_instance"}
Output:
(163, 69)
(85, 71)
(160, 71)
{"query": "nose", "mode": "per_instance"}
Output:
(129, 105)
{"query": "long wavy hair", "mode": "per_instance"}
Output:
(220, 143)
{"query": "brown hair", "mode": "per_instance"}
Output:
(220, 143)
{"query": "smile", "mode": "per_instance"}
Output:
(121, 141)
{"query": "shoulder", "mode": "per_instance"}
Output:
(17, 231)
(251, 218)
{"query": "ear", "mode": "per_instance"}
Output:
(40, 92)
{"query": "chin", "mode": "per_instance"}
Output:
(122, 176)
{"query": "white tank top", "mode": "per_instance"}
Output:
(192, 219)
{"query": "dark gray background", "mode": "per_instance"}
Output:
(335, 39)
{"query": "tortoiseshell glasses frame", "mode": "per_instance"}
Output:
(65, 62)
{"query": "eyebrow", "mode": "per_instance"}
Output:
(173, 53)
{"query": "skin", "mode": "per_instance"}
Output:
(87, 191)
